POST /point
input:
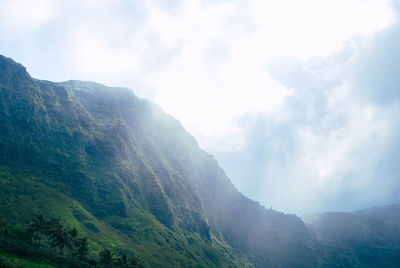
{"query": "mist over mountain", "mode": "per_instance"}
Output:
(130, 178)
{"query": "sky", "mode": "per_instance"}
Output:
(299, 101)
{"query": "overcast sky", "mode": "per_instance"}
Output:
(299, 101)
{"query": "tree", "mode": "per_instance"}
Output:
(123, 259)
(38, 228)
(81, 248)
(57, 234)
(134, 261)
(131, 261)
(106, 256)
(73, 233)
(59, 239)
(3, 228)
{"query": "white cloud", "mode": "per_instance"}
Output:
(325, 147)
(235, 84)
(316, 163)
(317, 28)
(25, 15)
(205, 63)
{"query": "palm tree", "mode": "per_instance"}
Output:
(38, 222)
(123, 260)
(37, 227)
(106, 256)
(72, 236)
(134, 261)
(53, 227)
(82, 248)
(73, 233)
(57, 233)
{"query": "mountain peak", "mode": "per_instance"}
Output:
(11, 71)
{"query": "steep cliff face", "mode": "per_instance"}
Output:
(127, 174)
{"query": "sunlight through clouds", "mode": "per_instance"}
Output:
(283, 93)
(316, 28)
(212, 53)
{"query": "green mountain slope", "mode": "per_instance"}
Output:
(129, 177)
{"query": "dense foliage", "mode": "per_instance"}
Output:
(50, 242)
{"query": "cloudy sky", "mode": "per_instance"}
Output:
(299, 101)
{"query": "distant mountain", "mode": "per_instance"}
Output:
(363, 238)
(130, 178)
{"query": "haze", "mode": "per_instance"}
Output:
(299, 101)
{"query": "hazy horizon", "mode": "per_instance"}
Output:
(298, 101)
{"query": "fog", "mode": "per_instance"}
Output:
(299, 101)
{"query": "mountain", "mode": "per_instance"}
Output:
(362, 238)
(128, 176)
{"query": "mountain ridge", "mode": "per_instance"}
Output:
(117, 155)
(130, 177)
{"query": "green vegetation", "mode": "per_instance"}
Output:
(118, 178)
(50, 242)
(14, 262)
(109, 259)
(110, 165)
